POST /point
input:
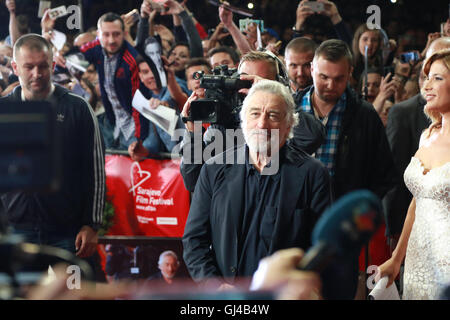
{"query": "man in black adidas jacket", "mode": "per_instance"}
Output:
(70, 217)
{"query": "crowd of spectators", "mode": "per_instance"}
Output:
(161, 51)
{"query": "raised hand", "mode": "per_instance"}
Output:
(11, 6)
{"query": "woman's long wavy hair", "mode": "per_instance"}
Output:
(444, 56)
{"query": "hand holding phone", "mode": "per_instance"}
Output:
(157, 5)
(58, 12)
(133, 15)
(315, 6)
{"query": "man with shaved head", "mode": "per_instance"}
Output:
(299, 54)
(406, 123)
(83, 38)
(70, 216)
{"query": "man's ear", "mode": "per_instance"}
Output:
(14, 66)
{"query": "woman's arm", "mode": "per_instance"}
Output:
(391, 267)
(195, 42)
(174, 88)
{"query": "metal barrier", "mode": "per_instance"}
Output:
(156, 156)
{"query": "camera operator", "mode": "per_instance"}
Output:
(254, 66)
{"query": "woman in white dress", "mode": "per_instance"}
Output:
(425, 238)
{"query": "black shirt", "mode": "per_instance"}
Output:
(261, 201)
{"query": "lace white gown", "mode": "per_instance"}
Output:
(427, 262)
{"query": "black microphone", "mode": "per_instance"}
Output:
(343, 229)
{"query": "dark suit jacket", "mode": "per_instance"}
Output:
(406, 123)
(215, 217)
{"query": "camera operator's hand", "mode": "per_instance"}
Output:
(331, 11)
(303, 12)
(250, 77)
(186, 109)
(137, 151)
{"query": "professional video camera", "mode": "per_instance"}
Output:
(222, 102)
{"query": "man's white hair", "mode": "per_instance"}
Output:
(275, 88)
(167, 253)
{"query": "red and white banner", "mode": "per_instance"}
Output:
(149, 197)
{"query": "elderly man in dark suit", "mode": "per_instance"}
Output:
(406, 123)
(257, 198)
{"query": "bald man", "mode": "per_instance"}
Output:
(299, 54)
(405, 124)
(83, 38)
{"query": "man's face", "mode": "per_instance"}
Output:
(265, 113)
(34, 69)
(299, 68)
(221, 58)
(111, 36)
(260, 68)
(147, 77)
(169, 267)
(193, 84)
(330, 78)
